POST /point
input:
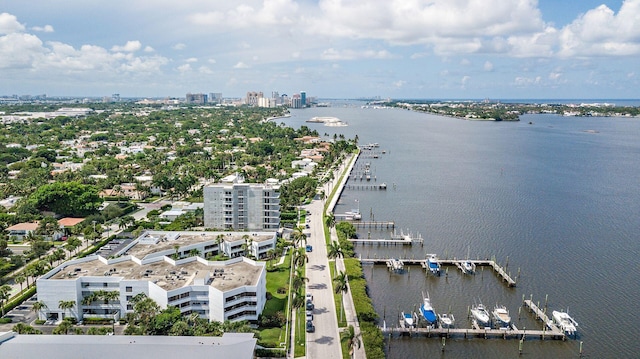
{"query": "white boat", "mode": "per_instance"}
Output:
(427, 311)
(408, 319)
(501, 316)
(565, 322)
(395, 265)
(433, 264)
(480, 314)
(446, 320)
(354, 214)
(468, 266)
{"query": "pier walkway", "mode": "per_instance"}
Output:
(471, 333)
(450, 262)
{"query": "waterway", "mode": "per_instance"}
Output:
(558, 199)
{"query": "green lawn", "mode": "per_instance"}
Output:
(278, 278)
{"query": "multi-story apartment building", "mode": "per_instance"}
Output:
(235, 205)
(104, 288)
(196, 98)
(253, 98)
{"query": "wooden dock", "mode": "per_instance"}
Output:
(367, 187)
(386, 242)
(450, 262)
(471, 333)
(373, 224)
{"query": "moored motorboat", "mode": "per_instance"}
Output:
(501, 316)
(469, 267)
(427, 311)
(481, 316)
(433, 264)
(408, 319)
(395, 265)
(565, 322)
(446, 320)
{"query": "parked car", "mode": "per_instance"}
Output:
(309, 296)
(310, 327)
(309, 305)
(309, 316)
(309, 248)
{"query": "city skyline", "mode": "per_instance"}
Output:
(329, 48)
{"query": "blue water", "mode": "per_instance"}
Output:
(557, 200)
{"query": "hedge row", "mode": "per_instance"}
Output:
(372, 338)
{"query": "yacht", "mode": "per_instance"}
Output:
(446, 320)
(481, 316)
(427, 311)
(501, 316)
(433, 265)
(565, 322)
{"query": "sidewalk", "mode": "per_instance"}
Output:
(340, 179)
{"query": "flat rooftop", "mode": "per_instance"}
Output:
(166, 275)
(230, 345)
(168, 240)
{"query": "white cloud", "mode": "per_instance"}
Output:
(465, 62)
(488, 66)
(9, 24)
(179, 46)
(211, 61)
(335, 55)
(241, 65)
(149, 49)
(602, 32)
(464, 81)
(521, 81)
(205, 70)
(46, 28)
(270, 13)
(399, 83)
(184, 68)
(20, 50)
(130, 46)
(191, 59)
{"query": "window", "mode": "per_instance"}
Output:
(129, 289)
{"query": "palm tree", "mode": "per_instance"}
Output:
(340, 285)
(330, 220)
(67, 304)
(297, 236)
(194, 252)
(4, 295)
(298, 280)
(297, 301)
(20, 278)
(38, 306)
(299, 257)
(334, 250)
(352, 339)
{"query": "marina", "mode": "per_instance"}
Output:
(487, 198)
(500, 272)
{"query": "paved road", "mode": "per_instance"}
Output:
(325, 342)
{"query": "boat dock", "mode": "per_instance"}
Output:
(471, 333)
(369, 187)
(541, 315)
(373, 224)
(450, 262)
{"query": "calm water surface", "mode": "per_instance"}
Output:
(558, 199)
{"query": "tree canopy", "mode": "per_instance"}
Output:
(66, 198)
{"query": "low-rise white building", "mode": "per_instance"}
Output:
(230, 290)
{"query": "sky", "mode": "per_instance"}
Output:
(431, 49)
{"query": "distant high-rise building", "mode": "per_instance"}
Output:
(196, 98)
(296, 101)
(252, 98)
(215, 97)
(303, 98)
(115, 97)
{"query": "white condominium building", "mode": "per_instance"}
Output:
(103, 288)
(234, 205)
